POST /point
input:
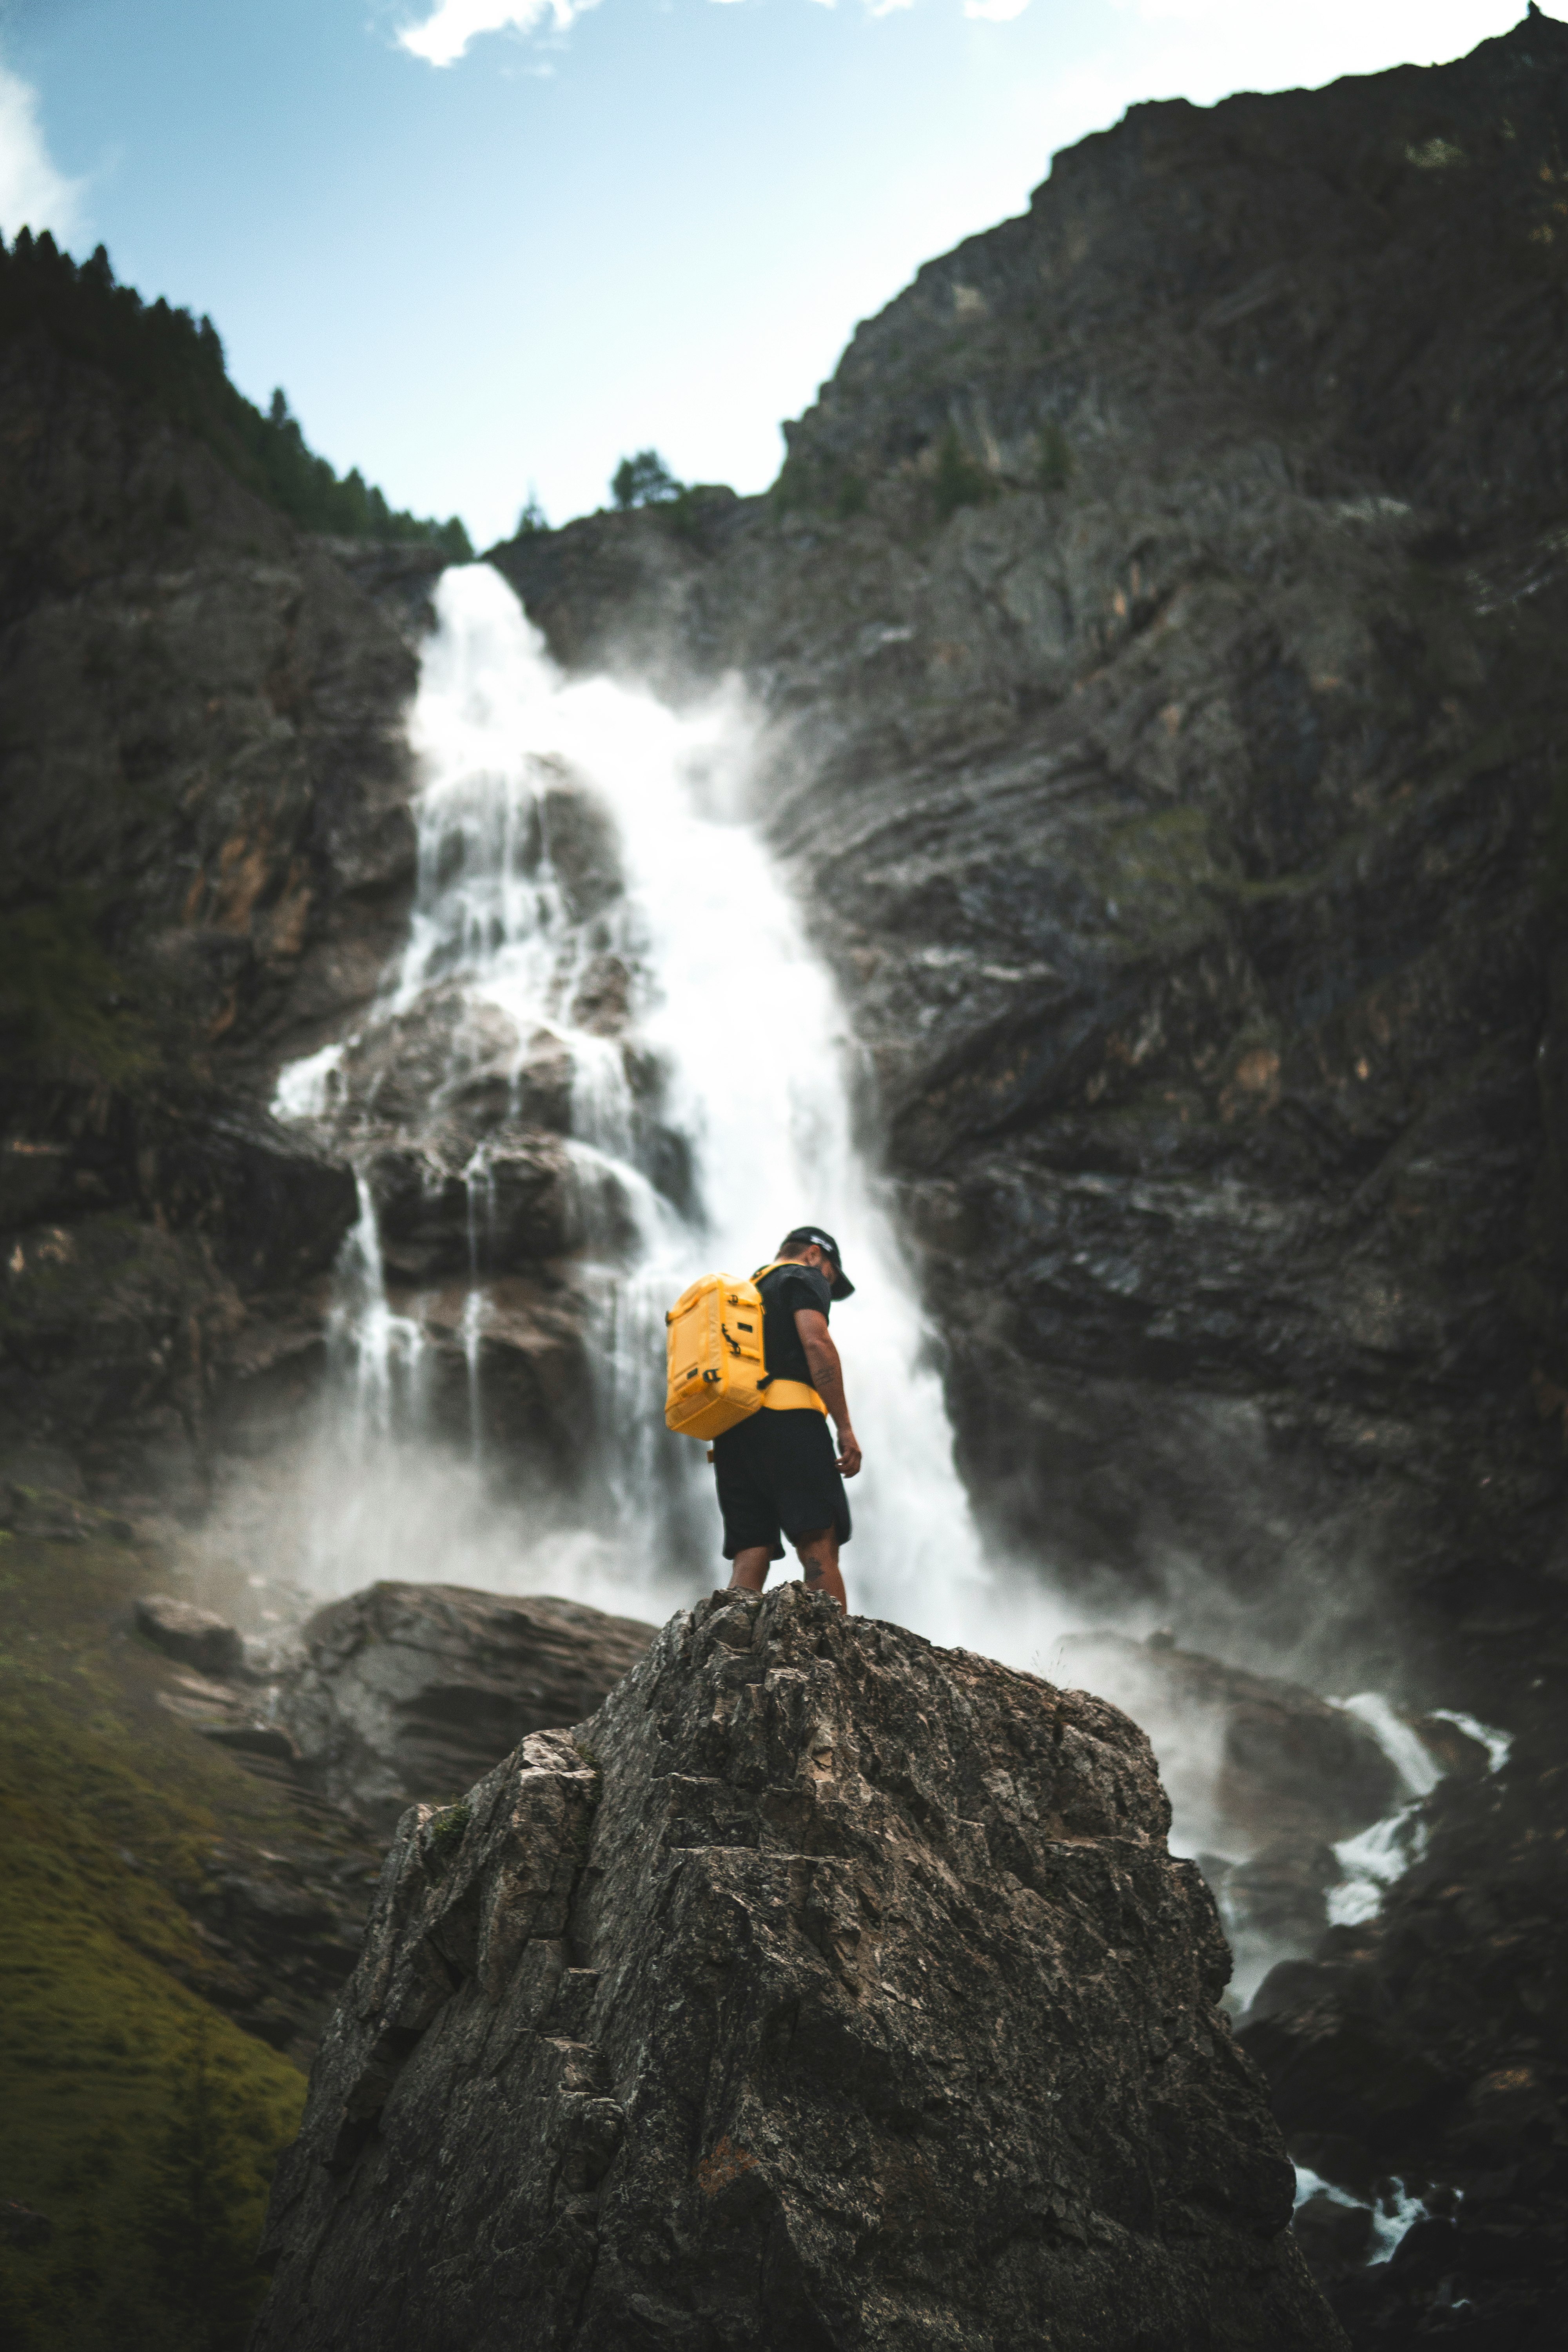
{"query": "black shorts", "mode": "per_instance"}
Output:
(778, 1471)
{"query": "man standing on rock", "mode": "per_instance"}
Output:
(777, 1471)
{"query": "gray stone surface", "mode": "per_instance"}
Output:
(203, 814)
(1264, 1776)
(411, 1691)
(824, 1989)
(1430, 2044)
(1242, 1755)
(198, 1637)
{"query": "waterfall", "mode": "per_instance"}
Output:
(595, 908)
(608, 1060)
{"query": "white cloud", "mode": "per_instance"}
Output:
(445, 34)
(1199, 41)
(33, 193)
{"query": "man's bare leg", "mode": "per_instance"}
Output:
(819, 1558)
(749, 1569)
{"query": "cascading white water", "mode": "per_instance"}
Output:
(707, 1113)
(743, 1022)
(386, 1349)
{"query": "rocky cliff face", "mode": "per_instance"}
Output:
(1156, 618)
(206, 854)
(824, 1989)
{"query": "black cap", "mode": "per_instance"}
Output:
(798, 1237)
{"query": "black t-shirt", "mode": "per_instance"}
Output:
(787, 1288)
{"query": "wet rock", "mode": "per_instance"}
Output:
(282, 1923)
(1335, 2238)
(273, 1916)
(1248, 1759)
(794, 2000)
(1343, 2066)
(1277, 1899)
(399, 575)
(581, 843)
(230, 1718)
(195, 1636)
(410, 1691)
(272, 1204)
(1506, 2112)
(448, 1211)
(453, 1073)
(1427, 2044)
(517, 1380)
(602, 1000)
(1458, 1755)
(42, 1179)
(395, 1071)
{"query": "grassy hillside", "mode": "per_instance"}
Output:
(141, 2117)
(164, 357)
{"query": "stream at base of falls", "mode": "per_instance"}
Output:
(608, 1061)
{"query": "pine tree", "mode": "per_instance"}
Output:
(644, 480)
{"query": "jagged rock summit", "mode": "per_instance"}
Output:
(822, 1989)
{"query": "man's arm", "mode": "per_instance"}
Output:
(828, 1379)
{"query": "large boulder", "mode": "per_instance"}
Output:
(410, 1692)
(196, 1637)
(825, 1989)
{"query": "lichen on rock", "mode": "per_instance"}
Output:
(825, 1988)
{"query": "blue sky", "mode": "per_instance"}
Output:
(490, 244)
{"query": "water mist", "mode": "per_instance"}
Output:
(709, 1112)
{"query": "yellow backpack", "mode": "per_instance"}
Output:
(717, 1372)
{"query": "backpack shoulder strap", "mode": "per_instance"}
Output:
(772, 1266)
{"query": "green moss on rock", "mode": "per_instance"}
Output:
(141, 2120)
